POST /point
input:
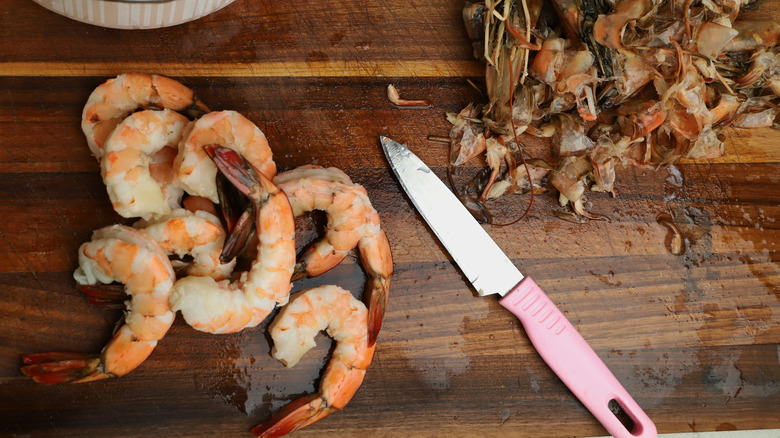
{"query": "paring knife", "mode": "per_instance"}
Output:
(491, 272)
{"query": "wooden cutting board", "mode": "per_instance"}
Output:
(694, 338)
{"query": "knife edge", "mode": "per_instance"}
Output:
(477, 255)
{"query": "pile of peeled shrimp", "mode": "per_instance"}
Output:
(206, 190)
(630, 82)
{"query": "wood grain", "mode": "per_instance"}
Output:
(694, 338)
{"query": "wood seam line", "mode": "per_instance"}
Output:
(434, 68)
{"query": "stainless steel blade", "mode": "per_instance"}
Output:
(481, 260)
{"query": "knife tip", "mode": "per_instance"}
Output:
(388, 145)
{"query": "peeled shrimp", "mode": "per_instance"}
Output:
(225, 307)
(198, 234)
(328, 308)
(123, 254)
(116, 98)
(138, 163)
(352, 221)
(197, 173)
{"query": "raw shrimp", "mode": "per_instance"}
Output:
(225, 307)
(138, 163)
(116, 98)
(123, 254)
(352, 221)
(199, 234)
(328, 308)
(196, 172)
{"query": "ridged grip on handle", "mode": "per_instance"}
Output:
(575, 363)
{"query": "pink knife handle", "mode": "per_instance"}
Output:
(572, 359)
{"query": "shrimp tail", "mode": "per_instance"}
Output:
(378, 262)
(377, 301)
(242, 233)
(312, 263)
(231, 203)
(299, 270)
(296, 415)
(63, 367)
(196, 109)
(237, 170)
(112, 296)
(256, 186)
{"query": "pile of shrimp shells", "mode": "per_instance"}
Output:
(630, 82)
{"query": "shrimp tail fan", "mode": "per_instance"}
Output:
(62, 367)
(296, 415)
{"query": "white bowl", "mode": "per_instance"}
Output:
(134, 14)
